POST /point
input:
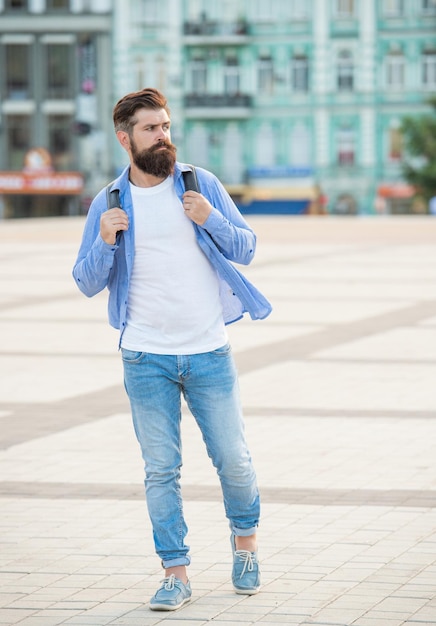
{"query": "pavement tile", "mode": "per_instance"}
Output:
(338, 391)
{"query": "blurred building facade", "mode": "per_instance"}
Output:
(55, 103)
(295, 105)
(285, 99)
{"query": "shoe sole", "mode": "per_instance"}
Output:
(168, 607)
(246, 592)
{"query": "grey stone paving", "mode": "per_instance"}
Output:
(339, 396)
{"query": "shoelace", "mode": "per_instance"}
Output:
(248, 558)
(168, 583)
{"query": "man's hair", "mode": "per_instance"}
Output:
(125, 109)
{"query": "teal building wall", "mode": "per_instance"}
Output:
(285, 99)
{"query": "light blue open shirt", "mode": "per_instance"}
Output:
(225, 237)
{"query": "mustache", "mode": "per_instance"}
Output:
(161, 144)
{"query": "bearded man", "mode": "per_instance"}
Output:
(166, 256)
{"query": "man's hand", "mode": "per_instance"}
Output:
(111, 222)
(196, 207)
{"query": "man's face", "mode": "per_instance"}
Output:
(150, 143)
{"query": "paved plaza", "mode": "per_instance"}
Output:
(339, 392)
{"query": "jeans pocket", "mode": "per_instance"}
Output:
(131, 356)
(224, 350)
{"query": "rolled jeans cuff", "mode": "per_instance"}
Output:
(243, 532)
(183, 560)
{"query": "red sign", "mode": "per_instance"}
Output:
(60, 183)
(396, 190)
(38, 177)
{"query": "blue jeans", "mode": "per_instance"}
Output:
(208, 382)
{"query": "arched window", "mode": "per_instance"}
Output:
(395, 141)
(265, 146)
(345, 142)
(300, 146)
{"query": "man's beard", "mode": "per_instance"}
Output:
(155, 160)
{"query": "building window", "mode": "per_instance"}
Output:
(233, 168)
(344, 8)
(429, 7)
(279, 10)
(429, 70)
(56, 5)
(395, 71)
(395, 144)
(300, 73)
(345, 71)
(231, 76)
(265, 10)
(300, 146)
(60, 141)
(265, 73)
(299, 10)
(198, 76)
(345, 140)
(18, 81)
(59, 75)
(265, 145)
(393, 8)
(87, 61)
(18, 140)
(153, 11)
(11, 5)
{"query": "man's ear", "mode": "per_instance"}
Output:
(124, 139)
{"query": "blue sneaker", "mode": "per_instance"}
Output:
(171, 595)
(245, 574)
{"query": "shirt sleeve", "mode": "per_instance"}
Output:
(228, 229)
(95, 257)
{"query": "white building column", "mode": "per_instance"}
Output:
(174, 48)
(320, 52)
(123, 77)
(368, 123)
(366, 57)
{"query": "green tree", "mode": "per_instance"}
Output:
(419, 167)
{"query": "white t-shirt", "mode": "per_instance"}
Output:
(174, 305)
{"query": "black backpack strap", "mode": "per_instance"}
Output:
(112, 197)
(190, 180)
(113, 202)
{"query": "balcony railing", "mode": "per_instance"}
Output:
(218, 29)
(218, 100)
